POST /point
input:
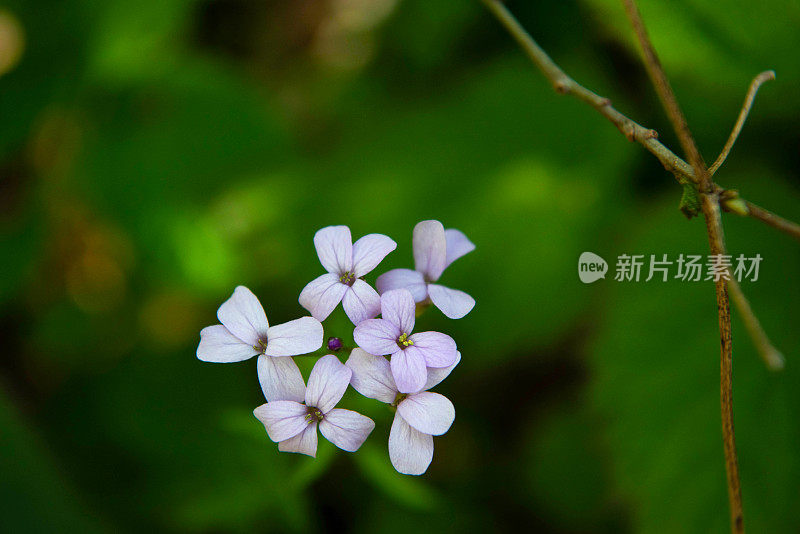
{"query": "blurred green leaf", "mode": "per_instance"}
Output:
(128, 36)
(36, 495)
(565, 469)
(20, 245)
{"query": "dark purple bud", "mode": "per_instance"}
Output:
(335, 344)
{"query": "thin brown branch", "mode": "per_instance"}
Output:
(564, 84)
(737, 128)
(717, 243)
(784, 225)
(716, 240)
(667, 96)
(729, 200)
(771, 356)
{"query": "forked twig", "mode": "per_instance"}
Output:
(711, 195)
(633, 131)
(667, 96)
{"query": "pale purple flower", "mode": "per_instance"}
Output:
(292, 422)
(245, 333)
(346, 263)
(411, 354)
(419, 416)
(434, 250)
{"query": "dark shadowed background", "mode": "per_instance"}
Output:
(155, 154)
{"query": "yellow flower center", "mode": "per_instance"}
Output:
(314, 414)
(403, 341)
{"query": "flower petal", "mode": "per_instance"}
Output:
(457, 245)
(430, 413)
(410, 450)
(430, 249)
(300, 336)
(327, 383)
(409, 370)
(361, 302)
(280, 379)
(403, 278)
(334, 246)
(397, 307)
(454, 304)
(377, 336)
(437, 374)
(218, 345)
(369, 251)
(243, 316)
(346, 429)
(372, 376)
(282, 419)
(305, 442)
(321, 295)
(437, 349)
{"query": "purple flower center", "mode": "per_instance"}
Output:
(403, 341)
(348, 278)
(313, 414)
(262, 345)
(335, 344)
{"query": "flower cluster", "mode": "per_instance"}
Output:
(417, 361)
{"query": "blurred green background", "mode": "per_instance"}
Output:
(155, 154)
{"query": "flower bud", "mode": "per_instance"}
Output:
(335, 344)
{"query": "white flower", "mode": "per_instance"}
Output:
(346, 263)
(292, 422)
(245, 333)
(419, 416)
